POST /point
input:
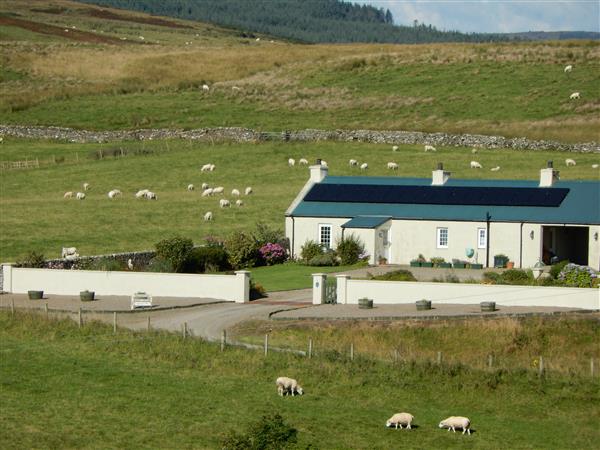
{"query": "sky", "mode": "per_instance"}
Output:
(496, 16)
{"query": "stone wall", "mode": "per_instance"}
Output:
(139, 260)
(308, 135)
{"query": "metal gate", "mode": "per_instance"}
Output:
(331, 290)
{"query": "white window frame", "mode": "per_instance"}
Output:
(438, 237)
(481, 233)
(323, 226)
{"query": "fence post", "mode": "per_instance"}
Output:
(115, 322)
(184, 330)
(12, 306)
(266, 344)
(223, 340)
(310, 347)
(148, 324)
(351, 351)
(592, 367)
(490, 361)
(46, 309)
(541, 366)
(439, 358)
(80, 318)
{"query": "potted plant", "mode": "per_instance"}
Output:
(510, 265)
(87, 296)
(436, 260)
(476, 266)
(423, 305)
(445, 265)
(35, 295)
(415, 263)
(458, 264)
(365, 303)
(500, 260)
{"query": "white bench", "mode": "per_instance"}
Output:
(141, 300)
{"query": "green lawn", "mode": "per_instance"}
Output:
(285, 277)
(64, 388)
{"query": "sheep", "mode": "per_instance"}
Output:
(235, 88)
(151, 196)
(400, 419)
(353, 162)
(574, 96)
(392, 166)
(80, 196)
(476, 165)
(454, 422)
(239, 203)
(204, 186)
(72, 257)
(190, 187)
(205, 88)
(141, 194)
(218, 190)
(430, 148)
(68, 194)
(595, 166)
(248, 191)
(66, 251)
(287, 385)
(224, 203)
(208, 216)
(568, 68)
(130, 264)
(206, 168)
(364, 166)
(570, 162)
(114, 193)
(235, 192)
(303, 162)
(473, 150)
(394, 148)
(212, 167)
(86, 186)
(291, 162)
(207, 192)
(495, 169)
(324, 163)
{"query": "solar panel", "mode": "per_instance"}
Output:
(437, 195)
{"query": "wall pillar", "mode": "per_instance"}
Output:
(243, 277)
(6, 278)
(342, 288)
(319, 280)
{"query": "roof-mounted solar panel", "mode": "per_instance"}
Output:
(437, 195)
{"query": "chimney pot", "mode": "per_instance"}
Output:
(550, 164)
(319, 161)
(440, 166)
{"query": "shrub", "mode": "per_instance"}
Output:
(436, 260)
(577, 276)
(263, 235)
(33, 259)
(324, 259)
(349, 249)
(242, 250)
(309, 250)
(176, 250)
(269, 433)
(273, 253)
(209, 258)
(159, 265)
(557, 268)
(492, 278)
(257, 290)
(516, 276)
(396, 275)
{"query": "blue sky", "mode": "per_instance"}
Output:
(503, 16)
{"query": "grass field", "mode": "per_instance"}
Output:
(516, 89)
(34, 215)
(65, 388)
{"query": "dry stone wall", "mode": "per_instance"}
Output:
(308, 135)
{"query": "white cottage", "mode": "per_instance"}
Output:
(400, 218)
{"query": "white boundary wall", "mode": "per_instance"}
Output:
(403, 292)
(70, 282)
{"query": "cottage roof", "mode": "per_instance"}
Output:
(567, 202)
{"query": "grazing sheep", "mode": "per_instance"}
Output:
(595, 166)
(130, 264)
(80, 196)
(476, 165)
(224, 203)
(218, 190)
(68, 194)
(495, 169)
(204, 186)
(206, 168)
(239, 203)
(287, 385)
(568, 68)
(574, 96)
(324, 163)
(151, 196)
(205, 88)
(400, 419)
(235, 88)
(190, 187)
(66, 251)
(207, 192)
(430, 148)
(114, 193)
(392, 166)
(570, 162)
(212, 168)
(454, 422)
(353, 162)
(248, 191)
(235, 192)
(208, 216)
(394, 148)
(86, 186)
(303, 162)
(72, 257)
(364, 166)
(291, 162)
(141, 194)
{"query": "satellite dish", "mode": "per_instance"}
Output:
(469, 252)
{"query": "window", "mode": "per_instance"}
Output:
(481, 238)
(442, 238)
(325, 235)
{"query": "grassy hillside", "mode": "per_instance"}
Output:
(70, 79)
(62, 387)
(36, 217)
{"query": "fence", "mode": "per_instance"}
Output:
(27, 164)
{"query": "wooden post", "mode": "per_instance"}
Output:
(80, 319)
(439, 358)
(351, 351)
(184, 330)
(490, 361)
(541, 366)
(12, 306)
(310, 347)
(148, 324)
(115, 322)
(223, 340)
(592, 367)
(46, 309)
(266, 344)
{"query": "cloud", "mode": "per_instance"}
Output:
(496, 15)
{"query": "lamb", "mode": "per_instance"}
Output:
(141, 194)
(574, 96)
(204, 186)
(239, 203)
(570, 162)
(207, 192)
(454, 422)
(303, 162)
(287, 385)
(568, 68)
(151, 195)
(392, 166)
(291, 162)
(66, 251)
(68, 194)
(248, 191)
(218, 190)
(206, 168)
(224, 203)
(86, 186)
(205, 88)
(476, 165)
(80, 196)
(114, 193)
(190, 187)
(353, 162)
(430, 148)
(364, 166)
(495, 169)
(208, 216)
(400, 419)
(235, 192)
(394, 148)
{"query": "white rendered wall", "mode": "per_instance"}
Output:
(307, 228)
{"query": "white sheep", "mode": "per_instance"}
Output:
(206, 168)
(204, 186)
(394, 148)
(364, 166)
(130, 264)
(248, 191)
(595, 166)
(151, 195)
(303, 162)
(205, 88)
(235, 88)
(476, 165)
(570, 162)
(207, 192)
(400, 419)
(430, 148)
(495, 169)
(208, 216)
(86, 186)
(224, 203)
(212, 167)
(392, 166)
(353, 162)
(218, 190)
(324, 163)
(190, 187)
(66, 251)
(141, 194)
(575, 96)
(72, 257)
(68, 194)
(235, 192)
(568, 68)
(454, 422)
(239, 203)
(473, 150)
(114, 193)
(80, 196)
(287, 385)
(291, 162)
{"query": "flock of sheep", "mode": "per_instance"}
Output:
(290, 386)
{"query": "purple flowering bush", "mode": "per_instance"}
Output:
(272, 253)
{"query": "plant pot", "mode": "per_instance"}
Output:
(458, 265)
(510, 265)
(87, 296)
(427, 264)
(415, 264)
(423, 305)
(476, 266)
(488, 306)
(445, 265)
(35, 295)
(365, 303)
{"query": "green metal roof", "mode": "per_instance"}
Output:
(366, 222)
(580, 206)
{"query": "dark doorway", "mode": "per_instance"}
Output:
(560, 243)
